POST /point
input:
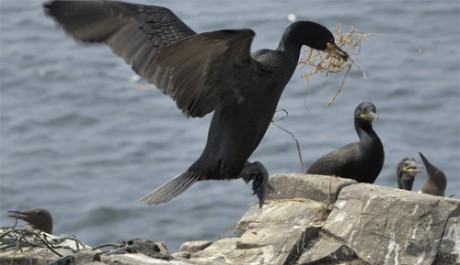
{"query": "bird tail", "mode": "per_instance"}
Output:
(171, 189)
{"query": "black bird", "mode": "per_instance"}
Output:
(361, 161)
(210, 71)
(36, 217)
(406, 170)
(436, 182)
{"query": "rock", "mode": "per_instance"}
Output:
(137, 259)
(28, 256)
(194, 246)
(309, 219)
(299, 212)
(449, 250)
(390, 226)
(86, 256)
(271, 235)
(153, 249)
(326, 251)
(190, 247)
(314, 187)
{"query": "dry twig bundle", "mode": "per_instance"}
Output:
(350, 42)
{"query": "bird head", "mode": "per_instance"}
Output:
(315, 36)
(36, 217)
(366, 112)
(406, 170)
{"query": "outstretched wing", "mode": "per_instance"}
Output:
(135, 32)
(193, 69)
(204, 70)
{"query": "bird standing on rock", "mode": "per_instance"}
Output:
(406, 170)
(206, 72)
(436, 181)
(36, 217)
(361, 161)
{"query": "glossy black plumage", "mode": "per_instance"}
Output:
(36, 217)
(406, 170)
(211, 71)
(361, 161)
(436, 181)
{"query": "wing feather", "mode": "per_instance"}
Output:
(203, 71)
(199, 71)
(134, 32)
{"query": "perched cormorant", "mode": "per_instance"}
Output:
(211, 71)
(36, 217)
(406, 170)
(436, 182)
(361, 161)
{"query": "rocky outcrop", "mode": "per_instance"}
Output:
(387, 226)
(310, 219)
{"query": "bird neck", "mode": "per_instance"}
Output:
(288, 58)
(436, 177)
(366, 133)
(290, 48)
(406, 181)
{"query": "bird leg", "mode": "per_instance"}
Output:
(258, 174)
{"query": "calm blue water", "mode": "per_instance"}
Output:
(85, 140)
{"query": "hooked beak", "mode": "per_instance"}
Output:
(413, 168)
(17, 215)
(336, 51)
(368, 116)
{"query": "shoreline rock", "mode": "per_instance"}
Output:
(312, 219)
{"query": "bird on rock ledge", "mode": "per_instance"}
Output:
(362, 160)
(202, 72)
(406, 170)
(436, 181)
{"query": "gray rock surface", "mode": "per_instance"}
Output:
(310, 219)
(137, 259)
(84, 257)
(194, 246)
(449, 249)
(314, 187)
(326, 251)
(390, 226)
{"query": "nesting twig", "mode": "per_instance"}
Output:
(20, 238)
(23, 237)
(350, 42)
(299, 153)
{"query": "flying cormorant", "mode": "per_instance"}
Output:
(206, 72)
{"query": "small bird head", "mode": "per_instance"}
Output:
(366, 112)
(406, 170)
(36, 217)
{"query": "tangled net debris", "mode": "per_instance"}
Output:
(23, 239)
(350, 42)
(18, 242)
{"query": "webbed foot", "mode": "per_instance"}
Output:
(258, 174)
